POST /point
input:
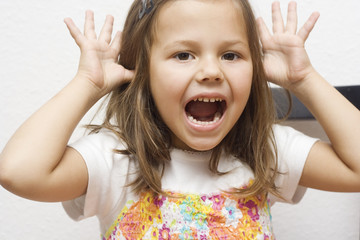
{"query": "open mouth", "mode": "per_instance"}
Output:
(205, 111)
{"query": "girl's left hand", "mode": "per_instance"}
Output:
(285, 59)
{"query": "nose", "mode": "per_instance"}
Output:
(210, 70)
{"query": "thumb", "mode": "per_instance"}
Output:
(128, 75)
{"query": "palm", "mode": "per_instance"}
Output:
(285, 59)
(99, 56)
(98, 63)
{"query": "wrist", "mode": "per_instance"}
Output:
(310, 91)
(308, 82)
(87, 88)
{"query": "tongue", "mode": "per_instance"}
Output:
(203, 111)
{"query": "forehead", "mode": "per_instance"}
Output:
(222, 18)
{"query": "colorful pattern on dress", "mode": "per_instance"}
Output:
(217, 216)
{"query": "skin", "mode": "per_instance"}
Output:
(47, 170)
(187, 64)
(331, 167)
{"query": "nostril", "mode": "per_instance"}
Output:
(210, 69)
(212, 76)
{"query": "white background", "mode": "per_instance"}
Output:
(38, 57)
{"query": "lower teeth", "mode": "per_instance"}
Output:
(217, 117)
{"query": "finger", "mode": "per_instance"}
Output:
(128, 75)
(308, 26)
(292, 18)
(107, 29)
(74, 31)
(89, 27)
(278, 22)
(264, 32)
(116, 43)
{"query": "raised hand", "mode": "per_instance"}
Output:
(99, 55)
(285, 59)
(59, 173)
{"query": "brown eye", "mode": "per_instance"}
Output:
(184, 56)
(230, 56)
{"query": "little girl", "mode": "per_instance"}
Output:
(189, 148)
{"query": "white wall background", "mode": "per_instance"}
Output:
(38, 57)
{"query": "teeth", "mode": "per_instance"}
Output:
(208, 100)
(216, 119)
(217, 116)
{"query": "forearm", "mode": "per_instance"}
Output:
(338, 117)
(38, 145)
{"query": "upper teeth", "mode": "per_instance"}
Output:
(208, 99)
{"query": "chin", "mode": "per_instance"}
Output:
(201, 147)
(196, 144)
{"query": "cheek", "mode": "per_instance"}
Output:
(164, 92)
(167, 94)
(166, 85)
(242, 82)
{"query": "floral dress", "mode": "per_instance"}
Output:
(196, 205)
(218, 216)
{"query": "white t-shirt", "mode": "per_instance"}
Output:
(205, 212)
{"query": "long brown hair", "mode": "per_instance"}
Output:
(132, 115)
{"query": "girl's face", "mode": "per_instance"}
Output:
(200, 70)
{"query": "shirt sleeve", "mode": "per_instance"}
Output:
(97, 150)
(293, 148)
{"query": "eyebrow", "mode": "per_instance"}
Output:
(236, 42)
(181, 43)
(196, 43)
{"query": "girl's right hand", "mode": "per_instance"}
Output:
(36, 163)
(99, 55)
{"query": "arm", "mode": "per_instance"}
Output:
(36, 162)
(335, 166)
